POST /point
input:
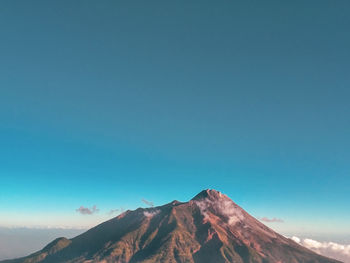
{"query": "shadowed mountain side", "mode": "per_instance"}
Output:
(210, 228)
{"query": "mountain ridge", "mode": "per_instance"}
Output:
(210, 228)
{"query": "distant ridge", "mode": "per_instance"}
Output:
(210, 228)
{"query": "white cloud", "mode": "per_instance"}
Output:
(151, 213)
(87, 211)
(224, 207)
(296, 239)
(330, 249)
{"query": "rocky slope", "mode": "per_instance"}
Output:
(210, 228)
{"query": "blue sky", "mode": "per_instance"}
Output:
(105, 103)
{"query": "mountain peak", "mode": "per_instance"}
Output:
(209, 194)
(210, 228)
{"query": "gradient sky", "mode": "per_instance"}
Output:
(108, 102)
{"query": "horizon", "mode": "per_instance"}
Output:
(97, 216)
(333, 246)
(116, 105)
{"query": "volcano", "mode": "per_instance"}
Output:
(210, 228)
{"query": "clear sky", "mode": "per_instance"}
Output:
(108, 102)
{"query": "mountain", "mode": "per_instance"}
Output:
(210, 228)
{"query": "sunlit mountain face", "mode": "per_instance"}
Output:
(210, 228)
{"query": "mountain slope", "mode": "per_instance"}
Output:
(210, 228)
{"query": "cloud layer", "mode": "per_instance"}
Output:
(330, 249)
(87, 211)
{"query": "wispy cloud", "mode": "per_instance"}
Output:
(87, 211)
(223, 207)
(116, 211)
(149, 203)
(329, 249)
(151, 213)
(271, 220)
